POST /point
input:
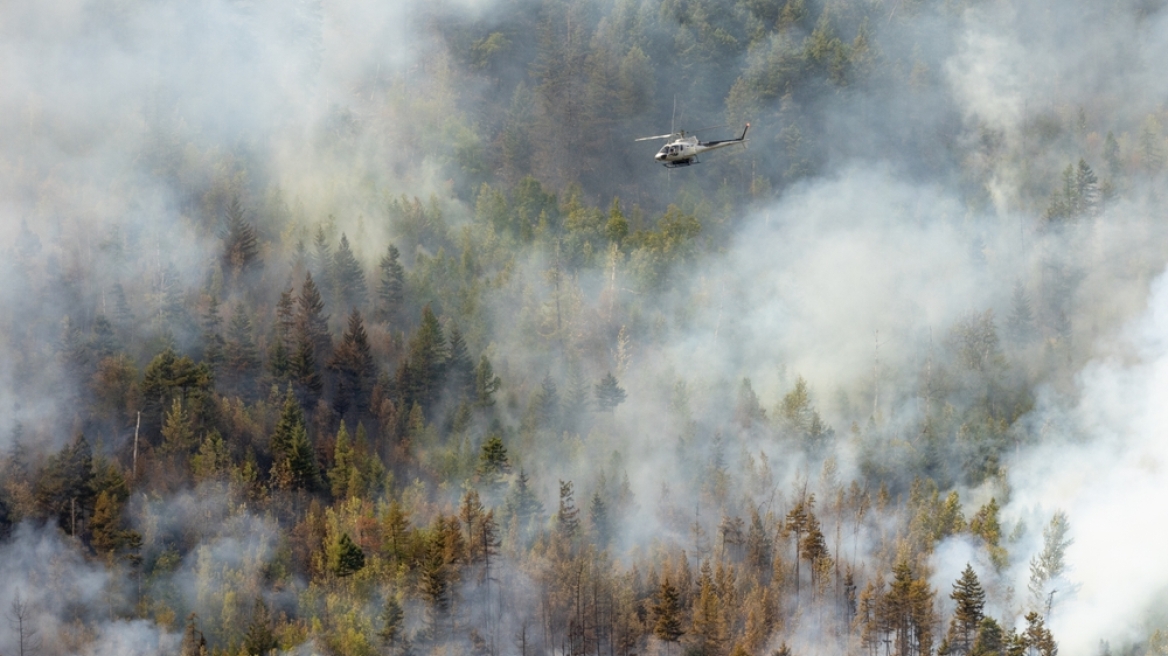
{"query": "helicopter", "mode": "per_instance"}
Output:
(683, 150)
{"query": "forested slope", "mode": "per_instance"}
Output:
(353, 329)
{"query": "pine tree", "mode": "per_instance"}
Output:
(968, 615)
(486, 384)
(64, 487)
(240, 356)
(240, 245)
(284, 338)
(521, 504)
(460, 368)
(493, 463)
(350, 279)
(349, 558)
(609, 394)
(1049, 564)
(391, 287)
(568, 516)
(259, 638)
(667, 613)
(353, 365)
(178, 435)
(392, 624)
(1020, 323)
(322, 257)
(599, 520)
(1037, 637)
(426, 365)
(343, 470)
(193, 642)
(311, 321)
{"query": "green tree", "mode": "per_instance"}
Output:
(965, 627)
(609, 394)
(353, 367)
(341, 476)
(392, 630)
(350, 279)
(486, 384)
(599, 520)
(311, 321)
(568, 516)
(348, 559)
(391, 287)
(193, 642)
(460, 368)
(423, 374)
(241, 358)
(240, 245)
(667, 613)
(260, 638)
(64, 487)
(493, 463)
(522, 505)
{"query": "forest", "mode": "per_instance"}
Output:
(350, 328)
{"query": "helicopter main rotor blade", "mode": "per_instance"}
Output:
(660, 136)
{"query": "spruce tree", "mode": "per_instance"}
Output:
(970, 600)
(486, 384)
(609, 394)
(391, 287)
(350, 279)
(259, 638)
(353, 365)
(349, 559)
(667, 613)
(240, 244)
(460, 368)
(311, 321)
(567, 517)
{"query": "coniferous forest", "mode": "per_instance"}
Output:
(347, 327)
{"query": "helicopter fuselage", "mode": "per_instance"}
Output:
(684, 150)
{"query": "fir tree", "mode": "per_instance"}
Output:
(240, 245)
(392, 629)
(486, 384)
(353, 365)
(259, 638)
(391, 287)
(460, 368)
(350, 279)
(240, 356)
(567, 517)
(311, 321)
(349, 559)
(667, 613)
(967, 617)
(609, 394)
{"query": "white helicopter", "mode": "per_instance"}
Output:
(683, 150)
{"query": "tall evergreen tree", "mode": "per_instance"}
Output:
(967, 616)
(568, 516)
(425, 369)
(667, 613)
(460, 368)
(609, 394)
(352, 363)
(350, 279)
(391, 287)
(240, 355)
(486, 384)
(240, 244)
(260, 637)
